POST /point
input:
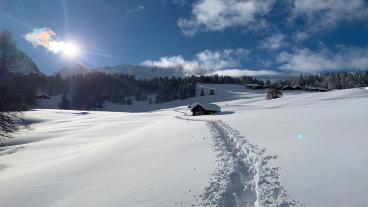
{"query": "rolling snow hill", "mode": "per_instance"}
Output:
(305, 149)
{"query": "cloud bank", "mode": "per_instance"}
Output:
(207, 62)
(317, 15)
(302, 18)
(245, 72)
(326, 14)
(343, 58)
(274, 42)
(217, 15)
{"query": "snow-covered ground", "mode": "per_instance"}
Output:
(305, 149)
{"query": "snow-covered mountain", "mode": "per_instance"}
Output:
(142, 72)
(139, 71)
(70, 71)
(23, 64)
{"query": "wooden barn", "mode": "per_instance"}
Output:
(203, 109)
(317, 89)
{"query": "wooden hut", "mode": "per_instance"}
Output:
(203, 109)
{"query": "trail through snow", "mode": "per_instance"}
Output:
(243, 177)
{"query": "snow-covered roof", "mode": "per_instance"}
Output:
(206, 106)
(252, 84)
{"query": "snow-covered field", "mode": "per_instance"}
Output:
(305, 149)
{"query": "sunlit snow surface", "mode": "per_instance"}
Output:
(307, 149)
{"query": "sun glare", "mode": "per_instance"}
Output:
(70, 50)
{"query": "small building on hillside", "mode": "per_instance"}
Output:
(203, 109)
(287, 88)
(42, 97)
(317, 89)
(254, 86)
(297, 87)
(291, 88)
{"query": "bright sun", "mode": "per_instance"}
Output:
(70, 50)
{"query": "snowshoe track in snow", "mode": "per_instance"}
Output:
(243, 177)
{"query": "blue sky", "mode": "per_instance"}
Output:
(213, 36)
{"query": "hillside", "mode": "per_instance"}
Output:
(303, 149)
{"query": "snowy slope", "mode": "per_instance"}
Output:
(319, 138)
(305, 149)
(105, 159)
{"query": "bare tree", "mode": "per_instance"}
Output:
(202, 92)
(10, 122)
(11, 118)
(7, 54)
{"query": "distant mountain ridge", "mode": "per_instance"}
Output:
(23, 64)
(70, 71)
(142, 72)
(139, 71)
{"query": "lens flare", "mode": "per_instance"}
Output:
(300, 136)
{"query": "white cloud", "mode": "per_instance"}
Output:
(207, 61)
(325, 14)
(245, 72)
(173, 62)
(181, 2)
(318, 15)
(217, 15)
(344, 58)
(274, 42)
(139, 8)
(301, 36)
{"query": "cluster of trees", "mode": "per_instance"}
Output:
(216, 79)
(12, 103)
(169, 89)
(90, 90)
(15, 92)
(273, 92)
(330, 80)
(7, 54)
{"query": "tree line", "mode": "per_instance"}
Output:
(89, 91)
(330, 80)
